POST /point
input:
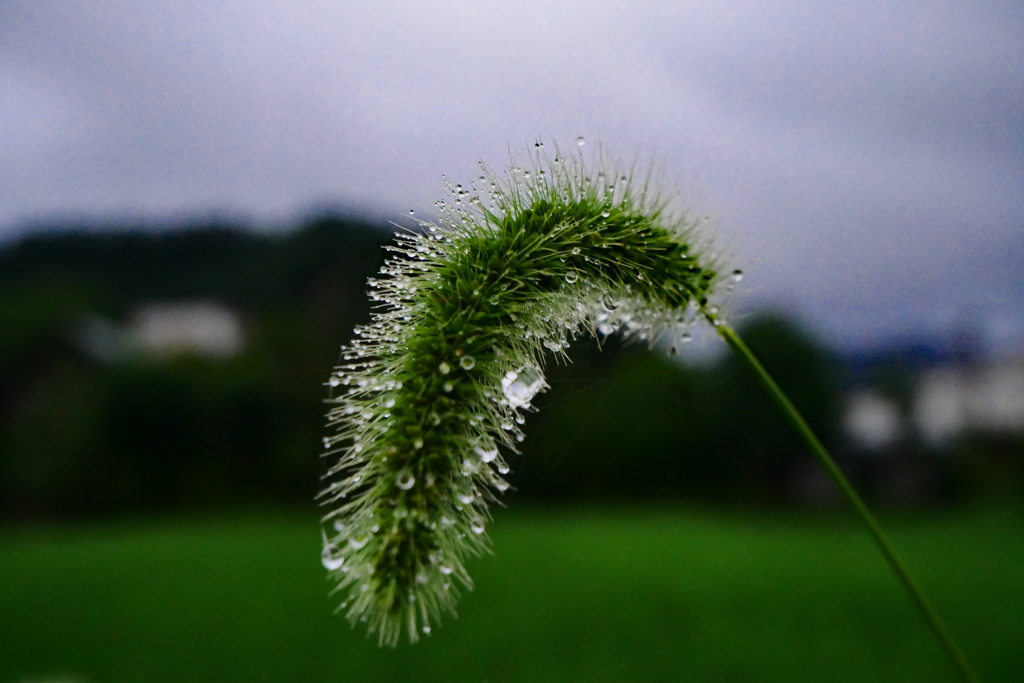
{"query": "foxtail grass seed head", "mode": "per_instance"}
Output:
(429, 397)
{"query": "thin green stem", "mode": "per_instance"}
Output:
(826, 461)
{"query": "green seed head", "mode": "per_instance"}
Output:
(431, 393)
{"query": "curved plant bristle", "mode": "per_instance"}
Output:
(428, 399)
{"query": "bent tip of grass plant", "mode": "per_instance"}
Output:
(431, 394)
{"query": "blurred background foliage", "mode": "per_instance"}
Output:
(94, 424)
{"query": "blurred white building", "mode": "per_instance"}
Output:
(951, 401)
(199, 328)
(872, 420)
(947, 402)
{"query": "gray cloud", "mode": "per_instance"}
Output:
(867, 163)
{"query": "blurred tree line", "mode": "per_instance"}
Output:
(80, 435)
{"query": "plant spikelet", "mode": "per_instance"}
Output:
(430, 395)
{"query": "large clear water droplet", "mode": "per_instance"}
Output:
(486, 455)
(609, 302)
(444, 368)
(520, 386)
(581, 141)
(329, 556)
(467, 362)
(405, 480)
(572, 276)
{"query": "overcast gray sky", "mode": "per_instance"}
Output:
(864, 161)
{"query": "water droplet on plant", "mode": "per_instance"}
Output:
(476, 526)
(606, 213)
(503, 468)
(444, 368)
(334, 381)
(422, 577)
(465, 498)
(572, 276)
(487, 455)
(467, 362)
(417, 444)
(426, 629)
(580, 141)
(357, 544)
(329, 557)
(390, 403)
(446, 570)
(609, 302)
(405, 480)
(411, 212)
(448, 386)
(522, 385)
(575, 251)
(507, 426)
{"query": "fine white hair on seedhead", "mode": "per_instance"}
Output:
(431, 394)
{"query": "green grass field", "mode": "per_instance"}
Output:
(571, 595)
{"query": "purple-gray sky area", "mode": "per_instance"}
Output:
(864, 162)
